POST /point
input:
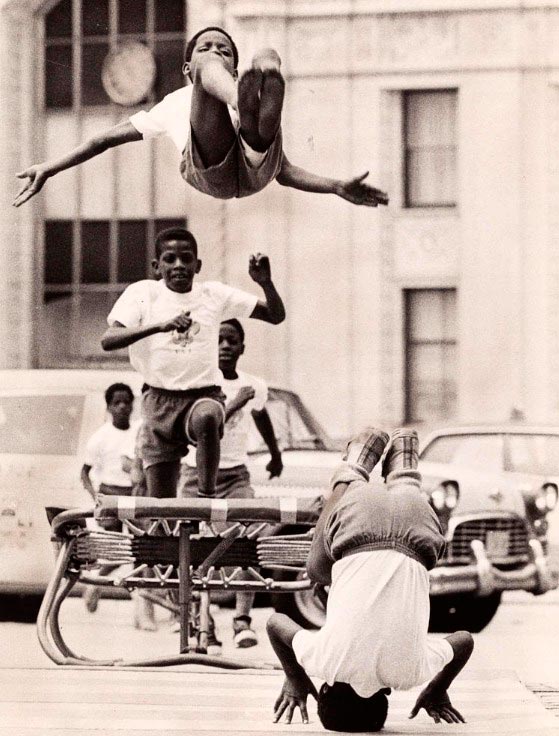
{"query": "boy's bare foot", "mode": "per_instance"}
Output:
(248, 104)
(271, 103)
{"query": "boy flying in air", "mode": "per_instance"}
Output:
(373, 544)
(245, 402)
(171, 328)
(228, 134)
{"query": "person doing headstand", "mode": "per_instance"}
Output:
(373, 544)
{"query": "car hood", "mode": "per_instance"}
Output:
(479, 491)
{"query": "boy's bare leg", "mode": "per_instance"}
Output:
(214, 89)
(162, 479)
(261, 91)
(205, 426)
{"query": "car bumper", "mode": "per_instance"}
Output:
(482, 578)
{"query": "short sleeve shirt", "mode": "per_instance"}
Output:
(375, 635)
(171, 118)
(236, 433)
(105, 450)
(179, 360)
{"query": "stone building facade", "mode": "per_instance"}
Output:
(443, 307)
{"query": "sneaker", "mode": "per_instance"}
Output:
(365, 449)
(90, 597)
(214, 645)
(243, 634)
(403, 453)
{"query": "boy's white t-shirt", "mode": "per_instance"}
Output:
(179, 360)
(104, 452)
(234, 444)
(171, 118)
(375, 635)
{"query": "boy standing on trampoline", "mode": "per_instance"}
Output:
(171, 328)
(228, 133)
(374, 544)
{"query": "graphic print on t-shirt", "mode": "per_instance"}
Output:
(185, 337)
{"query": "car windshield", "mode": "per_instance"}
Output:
(533, 453)
(294, 427)
(479, 451)
(40, 425)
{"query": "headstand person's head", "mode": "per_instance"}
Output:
(208, 40)
(341, 709)
(176, 258)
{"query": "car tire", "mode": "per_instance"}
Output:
(451, 613)
(303, 606)
(21, 608)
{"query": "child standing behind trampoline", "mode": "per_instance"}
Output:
(375, 545)
(228, 134)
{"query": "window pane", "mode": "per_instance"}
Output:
(132, 257)
(95, 17)
(56, 422)
(430, 148)
(131, 16)
(95, 252)
(93, 56)
(58, 76)
(533, 454)
(59, 20)
(169, 15)
(168, 56)
(58, 252)
(483, 452)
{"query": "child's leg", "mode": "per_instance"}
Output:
(260, 94)
(204, 425)
(214, 89)
(162, 479)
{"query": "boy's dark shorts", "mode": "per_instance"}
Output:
(113, 525)
(234, 176)
(166, 414)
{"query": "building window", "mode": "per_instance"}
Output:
(80, 33)
(430, 148)
(431, 352)
(87, 265)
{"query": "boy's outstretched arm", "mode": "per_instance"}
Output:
(271, 310)
(119, 336)
(434, 698)
(297, 685)
(354, 190)
(37, 174)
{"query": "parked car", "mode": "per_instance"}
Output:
(492, 488)
(46, 418)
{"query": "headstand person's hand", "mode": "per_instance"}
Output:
(357, 192)
(293, 695)
(259, 268)
(437, 705)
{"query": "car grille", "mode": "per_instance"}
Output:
(505, 540)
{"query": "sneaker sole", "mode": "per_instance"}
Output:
(245, 639)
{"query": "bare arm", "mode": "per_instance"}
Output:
(266, 429)
(272, 309)
(434, 698)
(86, 480)
(297, 685)
(119, 336)
(244, 395)
(37, 174)
(353, 190)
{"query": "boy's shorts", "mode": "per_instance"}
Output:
(166, 414)
(234, 176)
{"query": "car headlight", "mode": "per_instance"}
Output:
(546, 500)
(445, 496)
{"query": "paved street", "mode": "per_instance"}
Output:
(522, 639)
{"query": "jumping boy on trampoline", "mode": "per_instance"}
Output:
(374, 543)
(228, 133)
(171, 328)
